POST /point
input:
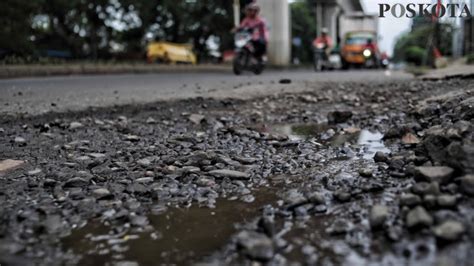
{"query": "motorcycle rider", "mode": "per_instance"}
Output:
(258, 25)
(374, 51)
(325, 40)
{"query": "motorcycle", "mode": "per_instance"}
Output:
(245, 58)
(370, 59)
(320, 59)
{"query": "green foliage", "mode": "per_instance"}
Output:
(15, 30)
(415, 55)
(422, 36)
(303, 27)
(101, 28)
(470, 59)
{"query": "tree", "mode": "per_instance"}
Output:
(95, 28)
(183, 21)
(408, 46)
(304, 28)
(15, 32)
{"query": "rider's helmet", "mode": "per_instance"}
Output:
(324, 31)
(253, 7)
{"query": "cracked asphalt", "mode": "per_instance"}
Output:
(72, 93)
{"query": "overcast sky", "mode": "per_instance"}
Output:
(391, 28)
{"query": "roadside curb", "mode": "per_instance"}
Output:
(21, 71)
(453, 72)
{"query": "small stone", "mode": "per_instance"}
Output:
(467, 184)
(284, 81)
(440, 174)
(76, 182)
(447, 201)
(316, 198)
(394, 232)
(20, 141)
(365, 172)
(338, 117)
(101, 193)
(53, 224)
(410, 139)
(144, 180)
(378, 216)
(409, 200)
(255, 245)
(232, 174)
(397, 163)
(150, 120)
(8, 165)
(424, 188)
(132, 138)
(308, 99)
(96, 155)
(342, 195)
(247, 198)
(293, 198)
(144, 162)
(430, 201)
(150, 174)
(34, 172)
(339, 226)
(380, 157)
(449, 231)
(139, 221)
(196, 118)
(48, 182)
(418, 217)
(352, 130)
(74, 125)
(82, 158)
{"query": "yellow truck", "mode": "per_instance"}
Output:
(170, 53)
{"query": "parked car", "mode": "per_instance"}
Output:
(170, 53)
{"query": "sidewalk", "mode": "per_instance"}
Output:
(16, 71)
(456, 70)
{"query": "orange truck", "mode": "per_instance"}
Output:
(359, 34)
(360, 49)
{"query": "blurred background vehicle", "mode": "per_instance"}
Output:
(173, 53)
(324, 61)
(359, 49)
(245, 58)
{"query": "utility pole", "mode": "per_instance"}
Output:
(277, 15)
(236, 13)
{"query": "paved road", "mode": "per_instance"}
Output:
(39, 95)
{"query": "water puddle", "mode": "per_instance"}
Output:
(181, 235)
(299, 131)
(370, 141)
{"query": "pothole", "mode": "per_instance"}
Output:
(370, 141)
(180, 235)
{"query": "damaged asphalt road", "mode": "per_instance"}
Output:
(348, 173)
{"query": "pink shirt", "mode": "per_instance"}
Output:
(258, 25)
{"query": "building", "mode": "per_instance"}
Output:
(329, 14)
